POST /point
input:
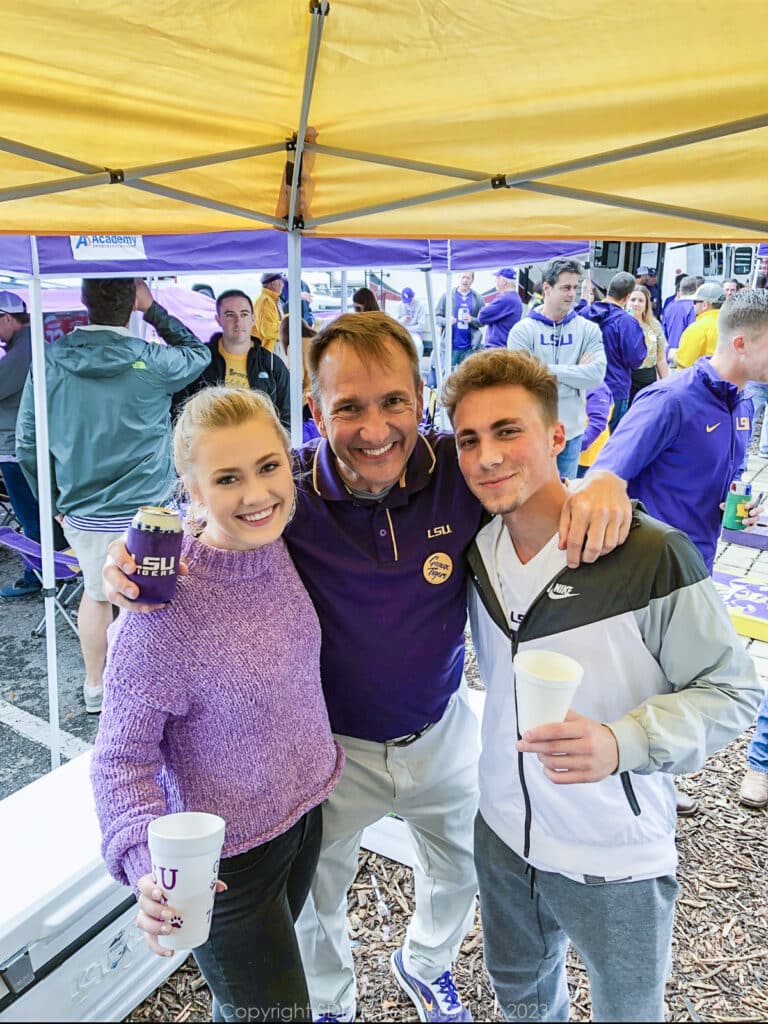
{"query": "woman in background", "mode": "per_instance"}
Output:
(654, 366)
(364, 301)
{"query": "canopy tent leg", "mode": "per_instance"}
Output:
(44, 499)
(433, 326)
(295, 346)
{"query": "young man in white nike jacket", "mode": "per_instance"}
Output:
(575, 837)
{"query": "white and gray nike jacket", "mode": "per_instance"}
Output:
(663, 669)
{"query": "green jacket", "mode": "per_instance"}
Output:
(109, 400)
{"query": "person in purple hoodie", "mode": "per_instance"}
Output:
(679, 313)
(502, 313)
(623, 341)
(685, 440)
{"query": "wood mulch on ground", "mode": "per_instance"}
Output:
(720, 943)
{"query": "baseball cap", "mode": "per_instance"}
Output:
(12, 303)
(407, 294)
(709, 293)
(642, 270)
(506, 272)
(270, 276)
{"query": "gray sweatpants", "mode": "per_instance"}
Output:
(622, 930)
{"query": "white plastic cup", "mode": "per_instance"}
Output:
(185, 849)
(546, 683)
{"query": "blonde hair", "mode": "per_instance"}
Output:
(648, 320)
(213, 408)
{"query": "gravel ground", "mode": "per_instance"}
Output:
(720, 942)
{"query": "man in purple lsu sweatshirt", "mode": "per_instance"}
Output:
(382, 525)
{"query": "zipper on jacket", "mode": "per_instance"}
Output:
(626, 782)
(520, 755)
(488, 597)
(490, 603)
(629, 793)
(521, 768)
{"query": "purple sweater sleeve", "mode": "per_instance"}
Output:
(127, 759)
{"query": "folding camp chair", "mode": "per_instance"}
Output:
(7, 516)
(69, 578)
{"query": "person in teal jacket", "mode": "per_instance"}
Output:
(109, 400)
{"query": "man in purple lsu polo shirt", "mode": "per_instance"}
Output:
(382, 525)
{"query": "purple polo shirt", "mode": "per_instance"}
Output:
(388, 581)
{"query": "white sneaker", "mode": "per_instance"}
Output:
(92, 695)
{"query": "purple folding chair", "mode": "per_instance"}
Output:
(69, 578)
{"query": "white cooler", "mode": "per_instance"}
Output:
(69, 946)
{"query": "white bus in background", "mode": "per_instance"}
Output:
(716, 261)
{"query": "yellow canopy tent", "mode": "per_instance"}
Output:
(434, 119)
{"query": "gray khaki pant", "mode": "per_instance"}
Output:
(432, 785)
(622, 931)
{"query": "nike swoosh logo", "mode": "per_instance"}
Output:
(560, 597)
(710, 429)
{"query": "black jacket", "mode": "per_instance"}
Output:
(266, 372)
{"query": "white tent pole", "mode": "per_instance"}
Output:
(295, 347)
(447, 353)
(44, 498)
(344, 295)
(432, 318)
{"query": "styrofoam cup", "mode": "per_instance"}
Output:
(546, 683)
(185, 849)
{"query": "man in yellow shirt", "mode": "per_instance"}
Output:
(266, 310)
(700, 338)
(239, 360)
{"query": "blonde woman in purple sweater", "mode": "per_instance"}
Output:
(213, 703)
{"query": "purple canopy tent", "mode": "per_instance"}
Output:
(223, 252)
(478, 255)
(255, 250)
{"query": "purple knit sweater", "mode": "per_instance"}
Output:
(214, 704)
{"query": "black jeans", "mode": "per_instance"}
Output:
(251, 960)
